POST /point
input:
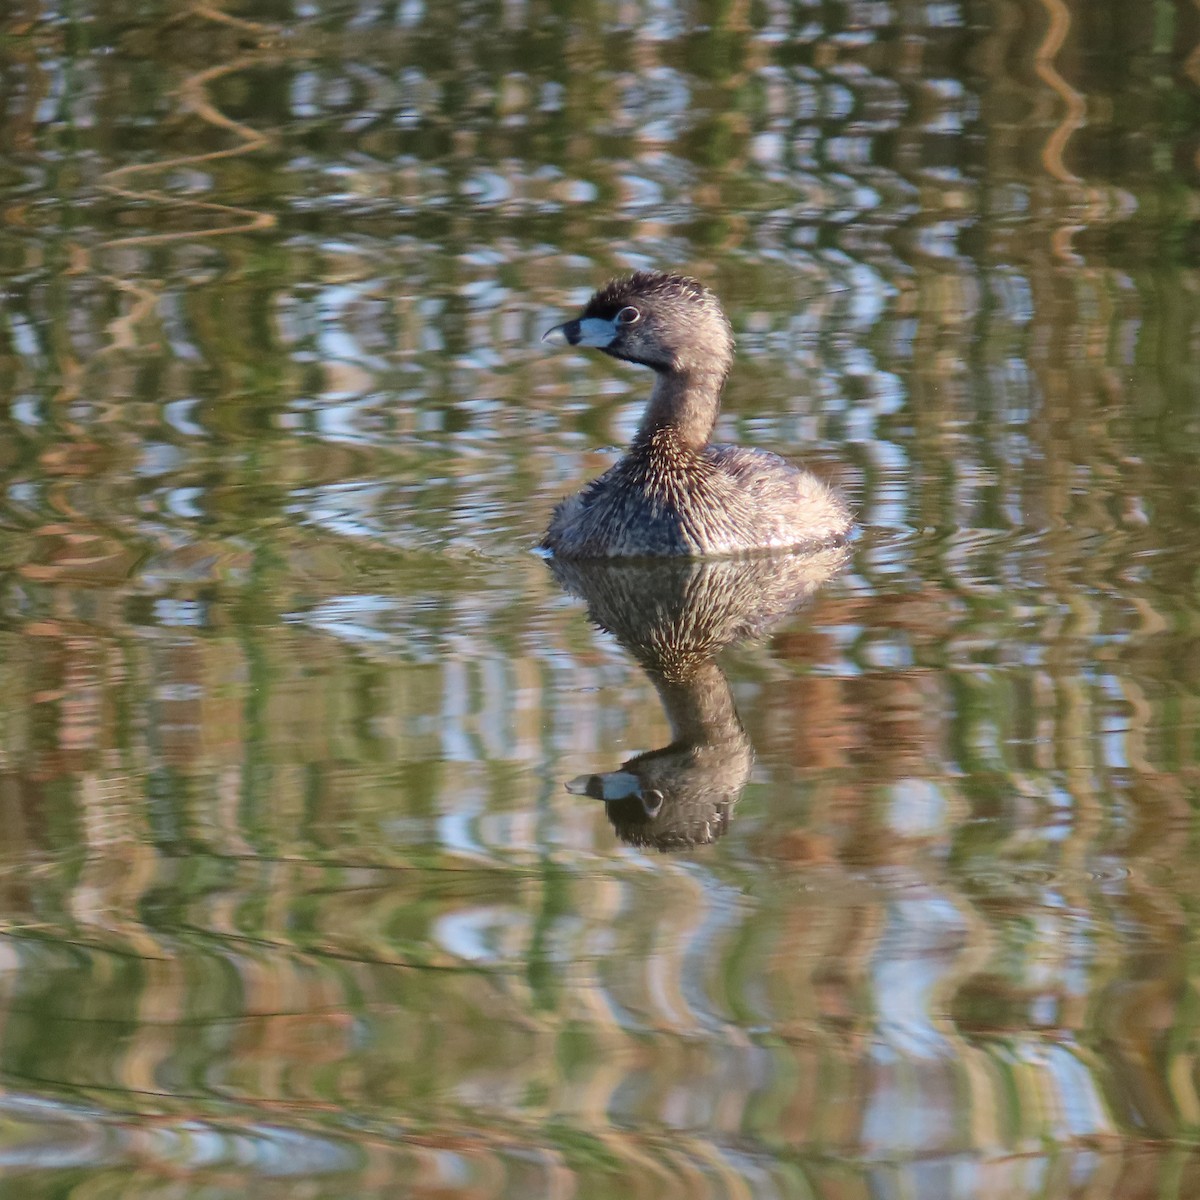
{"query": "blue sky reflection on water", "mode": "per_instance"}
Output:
(294, 897)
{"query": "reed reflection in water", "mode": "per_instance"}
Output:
(293, 901)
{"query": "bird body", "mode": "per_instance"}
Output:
(672, 492)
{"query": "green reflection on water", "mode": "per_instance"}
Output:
(294, 897)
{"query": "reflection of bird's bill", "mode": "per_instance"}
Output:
(589, 331)
(614, 786)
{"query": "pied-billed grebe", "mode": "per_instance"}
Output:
(672, 492)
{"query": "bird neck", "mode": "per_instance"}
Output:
(682, 407)
(699, 706)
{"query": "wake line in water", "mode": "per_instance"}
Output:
(194, 94)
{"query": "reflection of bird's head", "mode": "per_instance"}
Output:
(668, 322)
(674, 798)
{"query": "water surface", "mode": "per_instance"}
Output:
(294, 899)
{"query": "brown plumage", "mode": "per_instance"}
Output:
(673, 493)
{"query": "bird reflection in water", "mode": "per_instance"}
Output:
(674, 616)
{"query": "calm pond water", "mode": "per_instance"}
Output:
(304, 890)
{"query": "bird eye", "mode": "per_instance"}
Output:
(628, 315)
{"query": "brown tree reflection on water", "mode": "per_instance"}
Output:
(293, 898)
